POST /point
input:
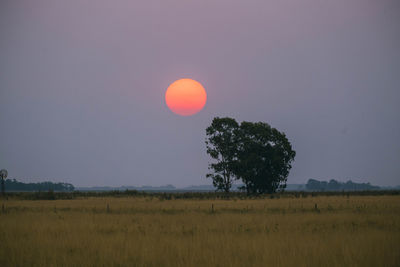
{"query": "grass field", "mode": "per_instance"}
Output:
(146, 231)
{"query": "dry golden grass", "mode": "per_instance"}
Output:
(340, 231)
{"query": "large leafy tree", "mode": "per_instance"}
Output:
(222, 147)
(256, 153)
(264, 158)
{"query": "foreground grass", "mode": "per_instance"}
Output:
(144, 231)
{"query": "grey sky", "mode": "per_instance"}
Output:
(82, 86)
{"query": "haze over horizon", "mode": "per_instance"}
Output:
(82, 87)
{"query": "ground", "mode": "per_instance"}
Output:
(149, 231)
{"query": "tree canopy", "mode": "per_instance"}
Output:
(255, 153)
(222, 146)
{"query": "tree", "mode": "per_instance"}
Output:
(222, 147)
(334, 185)
(257, 154)
(3, 175)
(14, 185)
(264, 158)
(314, 185)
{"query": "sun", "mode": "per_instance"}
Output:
(185, 97)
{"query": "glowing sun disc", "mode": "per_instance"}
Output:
(185, 97)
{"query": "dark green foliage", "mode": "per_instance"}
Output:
(264, 158)
(3, 176)
(333, 185)
(222, 147)
(256, 153)
(3, 190)
(14, 185)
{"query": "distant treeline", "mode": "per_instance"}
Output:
(333, 185)
(51, 195)
(14, 185)
(311, 186)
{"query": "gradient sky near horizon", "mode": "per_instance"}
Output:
(82, 86)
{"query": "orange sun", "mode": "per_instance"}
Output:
(185, 97)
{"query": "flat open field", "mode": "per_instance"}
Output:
(145, 231)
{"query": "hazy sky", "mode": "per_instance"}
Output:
(82, 86)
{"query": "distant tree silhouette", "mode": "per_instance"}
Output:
(3, 176)
(256, 153)
(333, 185)
(314, 185)
(14, 185)
(222, 147)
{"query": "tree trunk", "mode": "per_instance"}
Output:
(2, 186)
